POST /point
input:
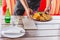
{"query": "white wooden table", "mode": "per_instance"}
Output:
(46, 31)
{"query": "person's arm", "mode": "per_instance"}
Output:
(57, 6)
(53, 7)
(23, 2)
(25, 5)
(48, 3)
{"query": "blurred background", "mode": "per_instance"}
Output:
(0, 6)
(0, 3)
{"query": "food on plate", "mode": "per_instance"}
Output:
(48, 15)
(41, 16)
(36, 16)
(45, 16)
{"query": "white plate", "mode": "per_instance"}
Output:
(14, 32)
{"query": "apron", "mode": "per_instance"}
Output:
(19, 9)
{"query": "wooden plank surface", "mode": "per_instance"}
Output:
(33, 38)
(38, 35)
(46, 32)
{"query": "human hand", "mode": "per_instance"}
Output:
(45, 9)
(28, 12)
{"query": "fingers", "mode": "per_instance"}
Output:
(29, 12)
